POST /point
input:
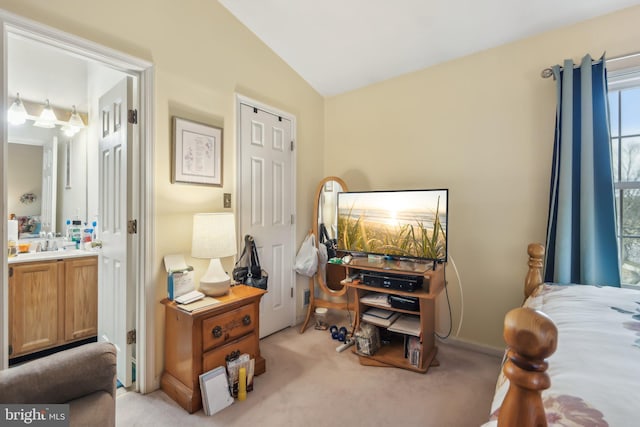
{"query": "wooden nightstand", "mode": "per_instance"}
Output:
(198, 342)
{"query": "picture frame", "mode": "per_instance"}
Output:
(197, 153)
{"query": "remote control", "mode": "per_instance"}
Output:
(346, 345)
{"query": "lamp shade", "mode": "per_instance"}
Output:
(47, 118)
(214, 235)
(17, 114)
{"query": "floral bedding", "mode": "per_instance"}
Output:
(595, 371)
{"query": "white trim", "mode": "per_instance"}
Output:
(4, 271)
(147, 379)
(241, 99)
(15, 25)
(473, 346)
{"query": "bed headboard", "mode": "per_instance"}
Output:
(534, 275)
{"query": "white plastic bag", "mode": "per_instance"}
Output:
(307, 257)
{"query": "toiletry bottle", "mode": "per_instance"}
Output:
(94, 224)
(76, 232)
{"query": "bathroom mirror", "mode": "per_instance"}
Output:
(328, 276)
(46, 179)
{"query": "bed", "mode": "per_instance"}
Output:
(573, 356)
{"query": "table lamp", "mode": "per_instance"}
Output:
(214, 237)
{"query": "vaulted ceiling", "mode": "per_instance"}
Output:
(338, 46)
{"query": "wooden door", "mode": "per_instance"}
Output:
(81, 298)
(35, 301)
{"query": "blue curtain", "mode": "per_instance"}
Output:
(581, 230)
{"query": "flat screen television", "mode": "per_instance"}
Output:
(409, 224)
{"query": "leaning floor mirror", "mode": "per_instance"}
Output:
(326, 282)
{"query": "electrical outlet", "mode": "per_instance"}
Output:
(306, 297)
(227, 200)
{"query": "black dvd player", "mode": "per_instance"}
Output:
(405, 303)
(399, 282)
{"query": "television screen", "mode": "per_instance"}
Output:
(398, 224)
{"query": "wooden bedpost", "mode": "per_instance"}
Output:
(534, 275)
(531, 337)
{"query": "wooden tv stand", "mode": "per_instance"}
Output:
(433, 282)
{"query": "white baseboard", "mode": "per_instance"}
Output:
(474, 346)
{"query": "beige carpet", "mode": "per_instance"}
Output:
(309, 384)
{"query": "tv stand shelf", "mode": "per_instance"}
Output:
(392, 354)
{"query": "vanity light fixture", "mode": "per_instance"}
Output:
(17, 114)
(74, 125)
(47, 118)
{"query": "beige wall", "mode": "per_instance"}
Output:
(481, 126)
(202, 57)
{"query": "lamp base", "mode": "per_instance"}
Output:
(215, 282)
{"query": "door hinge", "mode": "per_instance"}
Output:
(10, 349)
(132, 117)
(293, 219)
(131, 336)
(291, 145)
(10, 271)
(291, 292)
(132, 226)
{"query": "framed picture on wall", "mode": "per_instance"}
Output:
(197, 153)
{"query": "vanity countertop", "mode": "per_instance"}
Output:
(50, 255)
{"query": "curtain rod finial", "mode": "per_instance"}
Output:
(546, 73)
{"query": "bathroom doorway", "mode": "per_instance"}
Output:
(43, 63)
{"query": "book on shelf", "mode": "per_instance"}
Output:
(214, 389)
(233, 368)
(406, 324)
(376, 298)
(380, 317)
(413, 350)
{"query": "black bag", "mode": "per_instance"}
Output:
(331, 244)
(247, 269)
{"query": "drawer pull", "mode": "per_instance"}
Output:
(217, 331)
(246, 320)
(232, 356)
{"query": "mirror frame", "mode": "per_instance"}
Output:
(315, 230)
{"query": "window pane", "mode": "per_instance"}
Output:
(631, 212)
(618, 195)
(630, 261)
(614, 158)
(613, 112)
(629, 159)
(630, 107)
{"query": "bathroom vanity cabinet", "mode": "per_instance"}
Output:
(52, 303)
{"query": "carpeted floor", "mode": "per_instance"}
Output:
(308, 384)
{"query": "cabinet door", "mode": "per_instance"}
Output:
(35, 299)
(81, 298)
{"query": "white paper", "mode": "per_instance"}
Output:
(214, 388)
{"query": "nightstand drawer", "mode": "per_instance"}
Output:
(217, 357)
(227, 327)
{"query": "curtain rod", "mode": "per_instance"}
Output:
(548, 72)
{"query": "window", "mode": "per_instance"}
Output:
(624, 110)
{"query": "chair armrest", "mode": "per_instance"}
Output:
(61, 377)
